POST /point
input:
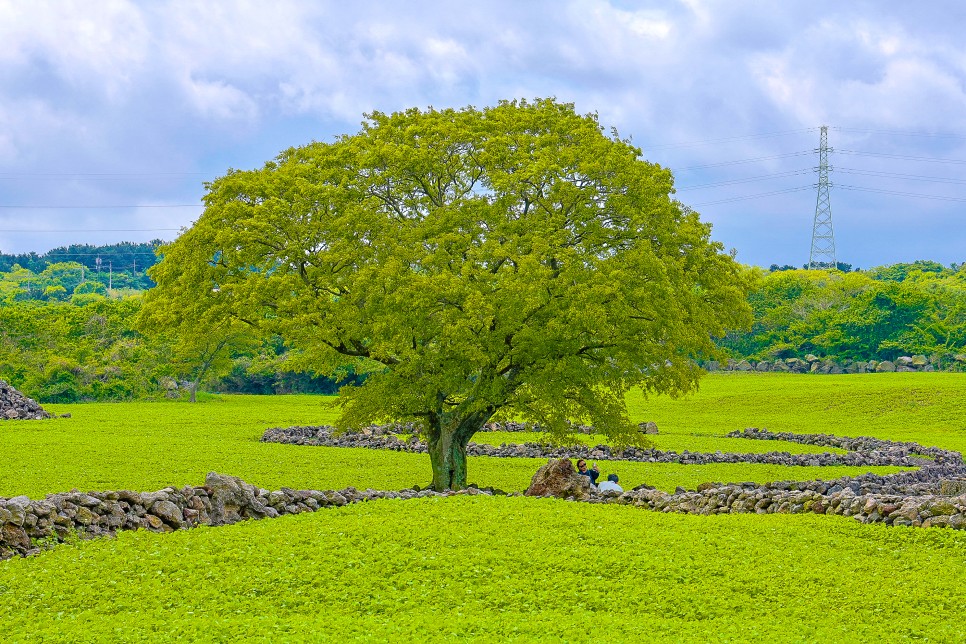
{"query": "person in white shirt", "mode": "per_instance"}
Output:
(610, 484)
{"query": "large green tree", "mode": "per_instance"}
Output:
(512, 260)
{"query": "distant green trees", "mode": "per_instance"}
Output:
(63, 340)
(88, 348)
(54, 276)
(60, 352)
(881, 313)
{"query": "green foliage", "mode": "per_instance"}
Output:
(904, 309)
(512, 259)
(64, 352)
(126, 258)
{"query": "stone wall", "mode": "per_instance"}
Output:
(15, 406)
(26, 525)
(932, 497)
(814, 364)
(885, 452)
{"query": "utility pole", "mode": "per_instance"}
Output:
(110, 274)
(823, 243)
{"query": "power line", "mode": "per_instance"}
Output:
(174, 205)
(900, 156)
(936, 135)
(730, 138)
(101, 254)
(740, 161)
(899, 194)
(790, 173)
(27, 175)
(763, 194)
(896, 175)
(91, 230)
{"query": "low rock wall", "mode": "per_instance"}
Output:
(814, 364)
(932, 497)
(26, 525)
(886, 454)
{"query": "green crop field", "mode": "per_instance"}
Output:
(481, 568)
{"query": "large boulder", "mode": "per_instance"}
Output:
(15, 406)
(559, 478)
(650, 427)
(233, 500)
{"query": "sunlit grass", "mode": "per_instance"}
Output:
(495, 569)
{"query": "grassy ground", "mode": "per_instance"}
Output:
(929, 408)
(485, 568)
(148, 446)
(495, 569)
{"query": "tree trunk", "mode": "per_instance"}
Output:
(448, 457)
(447, 448)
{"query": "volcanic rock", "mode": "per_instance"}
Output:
(559, 478)
(15, 406)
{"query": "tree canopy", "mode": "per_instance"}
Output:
(511, 260)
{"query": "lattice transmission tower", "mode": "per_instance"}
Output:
(823, 243)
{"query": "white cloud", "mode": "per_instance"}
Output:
(220, 101)
(180, 85)
(99, 46)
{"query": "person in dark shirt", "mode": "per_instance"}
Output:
(591, 473)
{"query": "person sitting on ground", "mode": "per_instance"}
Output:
(610, 484)
(591, 473)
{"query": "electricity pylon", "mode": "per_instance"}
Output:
(823, 243)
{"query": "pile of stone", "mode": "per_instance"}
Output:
(814, 364)
(326, 437)
(222, 500)
(15, 406)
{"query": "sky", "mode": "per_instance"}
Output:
(113, 114)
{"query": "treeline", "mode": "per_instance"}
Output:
(85, 343)
(90, 349)
(59, 274)
(877, 314)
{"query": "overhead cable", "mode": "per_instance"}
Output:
(740, 161)
(896, 175)
(88, 230)
(756, 196)
(790, 173)
(899, 194)
(899, 156)
(935, 135)
(172, 205)
(729, 138)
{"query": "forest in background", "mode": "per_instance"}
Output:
(68, 327)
